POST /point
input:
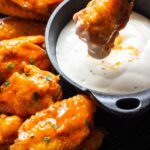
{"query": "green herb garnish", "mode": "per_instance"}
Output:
(7, 83)
(36, 96)
(48, 78)
(27, 74)
(47, 139)
(31, 60)
(87, 123)
(55, 126)
(10, 66)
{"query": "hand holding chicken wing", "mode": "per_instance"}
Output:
(100, 22)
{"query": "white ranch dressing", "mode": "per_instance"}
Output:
(125, 70)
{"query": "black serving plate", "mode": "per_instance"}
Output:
(125, 105)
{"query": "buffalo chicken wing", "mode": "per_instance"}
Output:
(25, 93)
(63, 126)
(100, 22)
(24, 49)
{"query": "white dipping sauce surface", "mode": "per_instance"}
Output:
(125, 70)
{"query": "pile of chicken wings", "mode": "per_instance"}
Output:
(33, 113)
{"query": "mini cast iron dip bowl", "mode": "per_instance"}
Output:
(126, 105)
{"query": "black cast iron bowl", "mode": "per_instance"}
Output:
(126, 105)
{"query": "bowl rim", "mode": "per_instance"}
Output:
(137, 95)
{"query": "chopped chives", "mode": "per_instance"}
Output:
(7, 83)
(48, 78)
(55, 126)
(31, 60)
(47, 139)
(36, 96)
(10, 66)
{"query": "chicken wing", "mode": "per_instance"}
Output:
(63, 126)
(10, 8)
(25, 93)
(100, 22)
(24, 49)
(94, 140)
(40, 6)
(9, 126)
(13, 27)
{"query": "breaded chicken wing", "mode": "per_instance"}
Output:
(63, 126)
(40, 6)
(10, 8)
(100, 22)
(24, 94)
(13, 27)
(94, 140)
(9, 126)
(24, 49)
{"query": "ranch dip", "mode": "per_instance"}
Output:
(125, 70)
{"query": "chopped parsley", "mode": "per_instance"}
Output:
(31, 60)
(10, 66)
(48, 78)
(7, 83)
(87, 123)
(55, 126)
(36, 96)
(46, 139)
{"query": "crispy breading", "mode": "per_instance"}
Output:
(63, 126)
(26, 93)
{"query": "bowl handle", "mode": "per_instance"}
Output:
(124, 104)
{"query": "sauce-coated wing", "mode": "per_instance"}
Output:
(25, 93)
(9, 126)
(24, 49)
(10, 8)
(100, 22)
(94, 140)
(13, 27)
(63, 126)
(39, 6)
